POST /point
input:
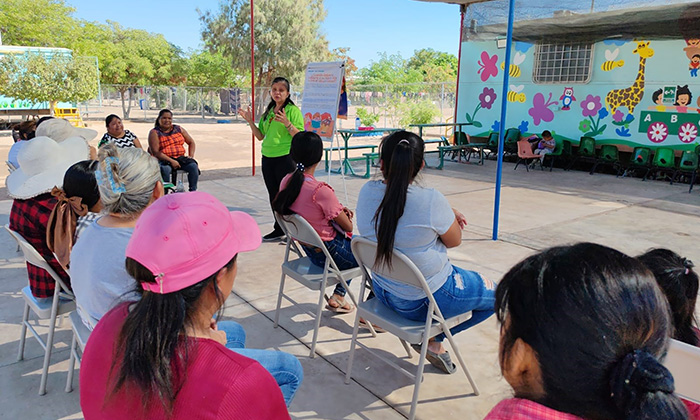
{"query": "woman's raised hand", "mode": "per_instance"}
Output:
(281, 116)
(246, 114)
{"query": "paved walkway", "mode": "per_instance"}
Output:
(539, 209)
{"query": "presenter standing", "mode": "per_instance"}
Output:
(278, 124)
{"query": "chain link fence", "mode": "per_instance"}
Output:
(391, 105)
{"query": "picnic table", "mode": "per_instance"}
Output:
(346, 163)
(458, 147)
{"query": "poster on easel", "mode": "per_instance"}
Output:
(321, 98)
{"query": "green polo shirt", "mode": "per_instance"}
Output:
(277, 140)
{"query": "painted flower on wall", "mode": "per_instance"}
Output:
(591, 105)
(622, 121)
(687, 132)
(487, 97)
(618, 116)
(523, 126)
(584, 126)
(496, 125)
(657, 132)
(623, 132)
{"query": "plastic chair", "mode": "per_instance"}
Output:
(683, 360)
(305, 272)
(687, 166)
(525, 154)
(492, 144)
(510, 141)
(63, 302)
(586, 151)
(81, 333)
(609, 155)
(664, 161)
(561, 150)
(640, 159)
(407, 331)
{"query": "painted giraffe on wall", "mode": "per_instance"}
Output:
(631, 96)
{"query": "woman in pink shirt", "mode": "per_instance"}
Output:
(583, 329)
(316, 202)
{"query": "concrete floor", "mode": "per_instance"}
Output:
(538, 210)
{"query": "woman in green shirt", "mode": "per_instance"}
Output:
(278, 124)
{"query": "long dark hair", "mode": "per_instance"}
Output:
(401, 154)
(152, 342)
(272, 104)
(160, 114)
(679, 282)
(306, 150)
(598, 325)
(80, 181)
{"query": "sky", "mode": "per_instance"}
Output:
(368, 27)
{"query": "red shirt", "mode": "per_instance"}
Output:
(29, 218)
(520, 409)
(171, 143)
(220, 384)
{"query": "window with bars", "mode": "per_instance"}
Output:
(563, 63)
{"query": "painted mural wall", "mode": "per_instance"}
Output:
(640, 93)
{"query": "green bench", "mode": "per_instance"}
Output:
(327, 151)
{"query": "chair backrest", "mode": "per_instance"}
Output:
(586, 146)
(641, 156)
(32, 256)
(689, 160)
(461, 138)
(683, 360)
(525, 149)
(512, 135)
(609, 152)
(664, 157)
(558, 146)
(403, 270)
(566, 147)
(493, 139)
(300, 230)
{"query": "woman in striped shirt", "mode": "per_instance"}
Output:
(117, 134)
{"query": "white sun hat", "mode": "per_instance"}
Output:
(59, 129)
(43, 163)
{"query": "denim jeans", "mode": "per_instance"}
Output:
(284, 367)
(168, 175)
(462, 292)
(339, 248)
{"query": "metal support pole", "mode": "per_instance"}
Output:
(501, 131)
(252, 82)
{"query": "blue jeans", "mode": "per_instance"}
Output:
(168, 175)
(284, 367)
(463, 291)
(339, 248)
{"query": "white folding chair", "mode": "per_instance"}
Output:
(81, 333)
(683, 360)
(63, 302)
(305, 272)
(408, 331)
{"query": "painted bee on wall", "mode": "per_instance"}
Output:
(610, 62)
(515, 94)
(514, 69)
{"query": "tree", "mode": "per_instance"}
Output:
(388, 70)
(436, 66)
(287, 36)
(41, 78)
(36, 23)
(341, 54)
(206, 68)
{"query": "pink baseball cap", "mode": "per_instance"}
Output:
(184, 238)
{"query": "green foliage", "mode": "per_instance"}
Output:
(207, 68)
(287, 36)
(388, 70)
(41, 78)
(436, 66)
(426, 65)
(367, 117)
(36, 23)
(421, 111)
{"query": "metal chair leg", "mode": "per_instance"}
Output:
(49, 343)
(71, 363)
(353, 344)
(23, 333)
(317, 323)
(279, 302)
(419, 379)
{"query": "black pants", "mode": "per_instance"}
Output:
(274, 169)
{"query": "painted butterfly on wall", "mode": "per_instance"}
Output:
(487, 66)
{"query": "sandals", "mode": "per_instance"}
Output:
(340, 309)
(365, 325)
(442, 361)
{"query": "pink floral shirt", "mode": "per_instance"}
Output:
(520, 409)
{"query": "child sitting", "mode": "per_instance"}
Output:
(583, 329)
(679, 282)
(546, 145)
(316, 202)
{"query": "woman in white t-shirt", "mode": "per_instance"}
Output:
(420, 223)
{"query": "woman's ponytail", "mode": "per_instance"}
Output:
(642, 389)
(306, 151)
(402, 158)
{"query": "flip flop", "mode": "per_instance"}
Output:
(364, 324)
(442, 361)
(340, 309)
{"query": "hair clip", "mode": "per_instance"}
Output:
(404, 141)
(116, 187)
(300, 166)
